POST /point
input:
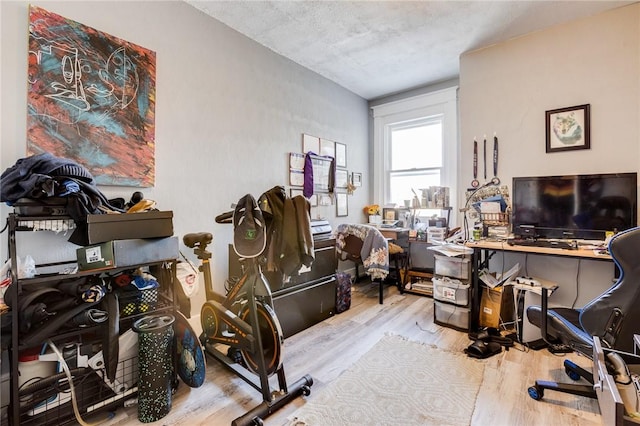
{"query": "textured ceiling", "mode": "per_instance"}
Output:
(378, 48)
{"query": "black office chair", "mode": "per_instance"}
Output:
(364, 243)
(614, 317)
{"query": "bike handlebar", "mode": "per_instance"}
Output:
(225, 217)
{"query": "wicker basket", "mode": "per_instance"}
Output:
(137, 302)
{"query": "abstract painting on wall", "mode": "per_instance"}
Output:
(91, 98)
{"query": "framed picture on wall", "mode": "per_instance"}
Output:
(327, 148)
(322, 172)
(356, 179)
(341, 155)
(568, 129)
(310, 143)
(342, 206)
(342, 178)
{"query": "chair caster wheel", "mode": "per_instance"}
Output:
(536, 392)
(572, 374)
(306, 390)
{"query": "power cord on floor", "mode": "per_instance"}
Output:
(424, 329)
(74, 399)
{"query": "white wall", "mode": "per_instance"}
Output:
(506, 88)
(227, 111)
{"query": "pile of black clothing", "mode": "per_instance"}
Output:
(289, 239)
(45, 176)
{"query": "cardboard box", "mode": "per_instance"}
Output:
(122, 253)
(496, 304)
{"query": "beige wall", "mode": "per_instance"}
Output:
(506, 88)
(228, 111)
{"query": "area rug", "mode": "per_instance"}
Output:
(398, 382)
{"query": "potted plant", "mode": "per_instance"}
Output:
(373, 212)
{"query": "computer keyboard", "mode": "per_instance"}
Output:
(559, 244)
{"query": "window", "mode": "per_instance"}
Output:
(415, 146)
(415, 158)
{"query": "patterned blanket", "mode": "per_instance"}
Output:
(375, 248)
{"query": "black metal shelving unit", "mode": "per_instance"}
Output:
(93, 395)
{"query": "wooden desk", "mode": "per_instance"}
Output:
(480, 260)
(503, 246)
(399, 236)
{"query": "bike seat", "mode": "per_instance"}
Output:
(198, 239)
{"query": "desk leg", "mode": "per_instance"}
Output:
(475, 291)
(544, 306)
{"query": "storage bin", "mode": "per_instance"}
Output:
(451, 290)
(101, 228)
(436, 234)
(119, 253)
(455, 267)
(133, 302)
(452, 316)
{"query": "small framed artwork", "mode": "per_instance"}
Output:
(568, 129)
(296, 177)
(321, 173)
(341, 155)
(296, 161)
(324, 200)
(295, 192)
(327, 148)
(389, 215)
(310, 144)
(342, 177)
(356, 179)
(342, 206)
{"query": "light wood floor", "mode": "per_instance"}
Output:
(327, 349)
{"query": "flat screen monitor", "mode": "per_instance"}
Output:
(574, 206)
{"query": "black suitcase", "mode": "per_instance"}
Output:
(49, 206)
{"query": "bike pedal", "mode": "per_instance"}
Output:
(227, 333)
(560, 349)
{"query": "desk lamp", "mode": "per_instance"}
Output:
(495, 181)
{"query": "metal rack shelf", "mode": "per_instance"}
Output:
(44, 405)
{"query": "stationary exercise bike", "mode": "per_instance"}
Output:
(244, 320)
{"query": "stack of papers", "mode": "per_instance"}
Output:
(494, 281)
(450, 249)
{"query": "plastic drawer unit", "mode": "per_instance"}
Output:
(451, 290)
(453, 316)
(454, 267)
